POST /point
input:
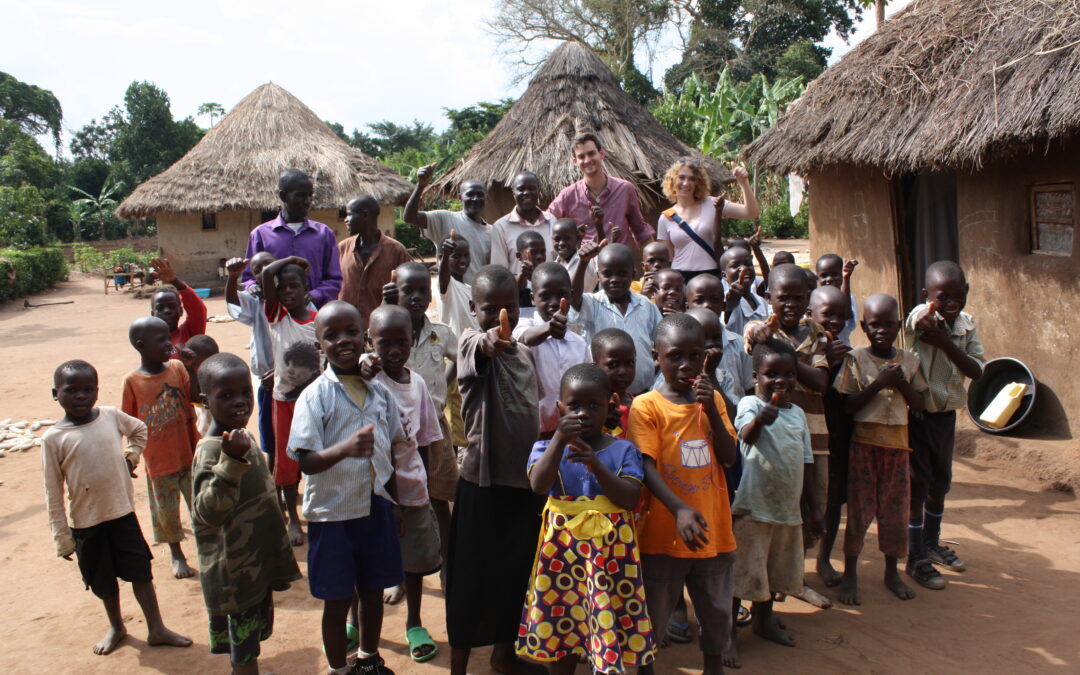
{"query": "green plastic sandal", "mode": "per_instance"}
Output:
(417, 637)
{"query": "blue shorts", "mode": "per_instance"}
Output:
(362, 554)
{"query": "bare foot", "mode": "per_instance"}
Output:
(772, 629)
(296, 534)
(827, 573)
(849, 590)
(167, 638)
(898, 587)
(110, 641)
(730, 657)
(181, 570)
(393, 596)
(812, 597)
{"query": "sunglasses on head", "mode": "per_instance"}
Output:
(688, 160)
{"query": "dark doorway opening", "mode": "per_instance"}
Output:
(925, 210)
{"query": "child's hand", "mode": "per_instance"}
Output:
(448, 246)
(361, 443)
(760, 332)
(370, 365)
(890, 375)
(755, 238)
(390, 294)
(569, 427)
(835, 351)
(703, 391)
(235, 266)
(235, 443)
(302, 262)
(590, 249)
(614, 415)
(526, 271)
(613, 232)
(557, 325)
(424, 174)
(691, 526)
(164, 270)
(849, 267)
(648, 284)
(582, 453)
(187, 357)
(493, 344)
(267, 381)
(734, 294)
(130, 467)
(768, 414)
(399, 520)
(712, 360)
(596, 214)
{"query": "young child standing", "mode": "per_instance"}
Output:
(169, 304)
(390, 329)
(946, 341)
(555, 349)
(158, 393)
(192, 354)
(829, 308)
(832, 270)
(292, 336)
(592, 482)
(244, 552)
(615, 305)
(454, 292)
(706, 291)
(342, 433)
(495, 522)
(531, 252)
(655, 256)
(741, 304)
(565, 241)
(246, 306)
(880, 383)
(686, 439)
(434, 358)
(612, 349)
(774, 441)
(84, 452)
(670, 291)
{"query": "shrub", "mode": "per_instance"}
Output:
(22, 217)
(88, 259)
(410, 237)
(778, 223)
(34, 269)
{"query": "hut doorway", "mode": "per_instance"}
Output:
(926, 228)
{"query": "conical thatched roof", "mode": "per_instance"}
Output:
(237, 163)
(943, 83)
(575, 92)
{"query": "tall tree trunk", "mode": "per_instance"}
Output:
(879, 12)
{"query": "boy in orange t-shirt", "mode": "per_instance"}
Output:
(685, 535)
(158, 393)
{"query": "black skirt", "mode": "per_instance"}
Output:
(493, 537)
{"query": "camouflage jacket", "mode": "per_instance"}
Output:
(244, 551)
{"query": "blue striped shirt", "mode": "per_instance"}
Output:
(326, 415)
(640, 321)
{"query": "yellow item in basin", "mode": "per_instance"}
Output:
(1001, 409)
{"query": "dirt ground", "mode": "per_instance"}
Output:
(1015, 610)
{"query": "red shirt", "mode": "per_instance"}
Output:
(194, 324)
(163, 403)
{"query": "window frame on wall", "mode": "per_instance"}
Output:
(1034, 219)
(209, 222)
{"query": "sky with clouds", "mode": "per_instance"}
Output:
(351, 61)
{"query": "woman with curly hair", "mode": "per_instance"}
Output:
(692, 225)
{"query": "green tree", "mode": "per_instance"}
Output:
(22, 217)
(100, 207)
(751, 36)
(34, 109)
(95, 140)
(22, 160)
(211, 110)
(149, 140)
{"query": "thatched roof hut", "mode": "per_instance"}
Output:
(954, 133)
(573, 92)
(208, 201)
(237, 164)
(940, 84)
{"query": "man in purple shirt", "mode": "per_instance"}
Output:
(616, 197)
(293, 233)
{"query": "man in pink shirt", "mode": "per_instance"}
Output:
(616, 197)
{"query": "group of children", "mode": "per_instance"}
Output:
(619, 440)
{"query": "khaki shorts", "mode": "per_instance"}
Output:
(442, 466)
(420, 543)
(769, 559)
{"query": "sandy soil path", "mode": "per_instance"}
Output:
(1015, 610)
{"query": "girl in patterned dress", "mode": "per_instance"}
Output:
(586, 597)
